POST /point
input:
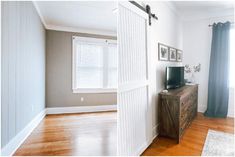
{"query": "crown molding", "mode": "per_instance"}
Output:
(172, 7)
(197, 15)
(192, 15)
(39, 13)
(81, 30)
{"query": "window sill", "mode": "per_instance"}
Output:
(99, 90)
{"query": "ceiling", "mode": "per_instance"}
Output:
(203, 5)
(203, 9)
(99, 16)
(80, 15)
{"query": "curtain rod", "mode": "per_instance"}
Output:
(212, 25)
(147, 9)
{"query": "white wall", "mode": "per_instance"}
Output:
(23, 67)
(166, 30)
(231, 103)
(197, 45)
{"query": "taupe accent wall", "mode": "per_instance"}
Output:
(23, 67)
(59, 73)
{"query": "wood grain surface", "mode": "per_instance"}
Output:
(73, 134)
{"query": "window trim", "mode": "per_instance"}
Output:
(88, 90)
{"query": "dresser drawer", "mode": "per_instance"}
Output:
(189, 94)
(189, 101)
(188, 107)
(186, 117)
(187, 111)
(182, 128)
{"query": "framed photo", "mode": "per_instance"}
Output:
(172, 54)
(162, 52)
(179, 55)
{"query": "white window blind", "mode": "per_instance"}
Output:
(94, 65)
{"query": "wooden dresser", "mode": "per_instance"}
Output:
(177, 109)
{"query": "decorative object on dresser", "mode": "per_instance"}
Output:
(191, 71)
(179, 55)
(177, 109)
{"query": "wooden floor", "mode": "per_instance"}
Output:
(96, 133)
(73, 134)
(193, 139)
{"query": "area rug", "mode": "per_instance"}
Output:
(218, 144)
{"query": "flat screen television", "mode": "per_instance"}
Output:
(174, 77)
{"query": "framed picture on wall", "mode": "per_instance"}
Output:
(163, 52)
(179, 55)
(172, 54)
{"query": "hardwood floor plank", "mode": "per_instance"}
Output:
(73, 134)
(193, 140)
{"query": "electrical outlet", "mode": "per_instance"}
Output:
(82, 99)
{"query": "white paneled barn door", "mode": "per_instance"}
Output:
(134, 111)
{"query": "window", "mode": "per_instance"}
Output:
(232, 58)
(94, 65)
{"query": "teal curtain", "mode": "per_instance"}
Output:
(218, 87)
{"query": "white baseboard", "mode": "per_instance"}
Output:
(81, 109)
(141, 149)
(145, 145)
(155, 131)
(15, 143)
(231, 115)
(201, 109)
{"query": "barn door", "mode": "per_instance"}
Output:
(134, 111)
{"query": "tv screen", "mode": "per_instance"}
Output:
(174, 77)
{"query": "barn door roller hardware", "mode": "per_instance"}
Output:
(147, 9)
